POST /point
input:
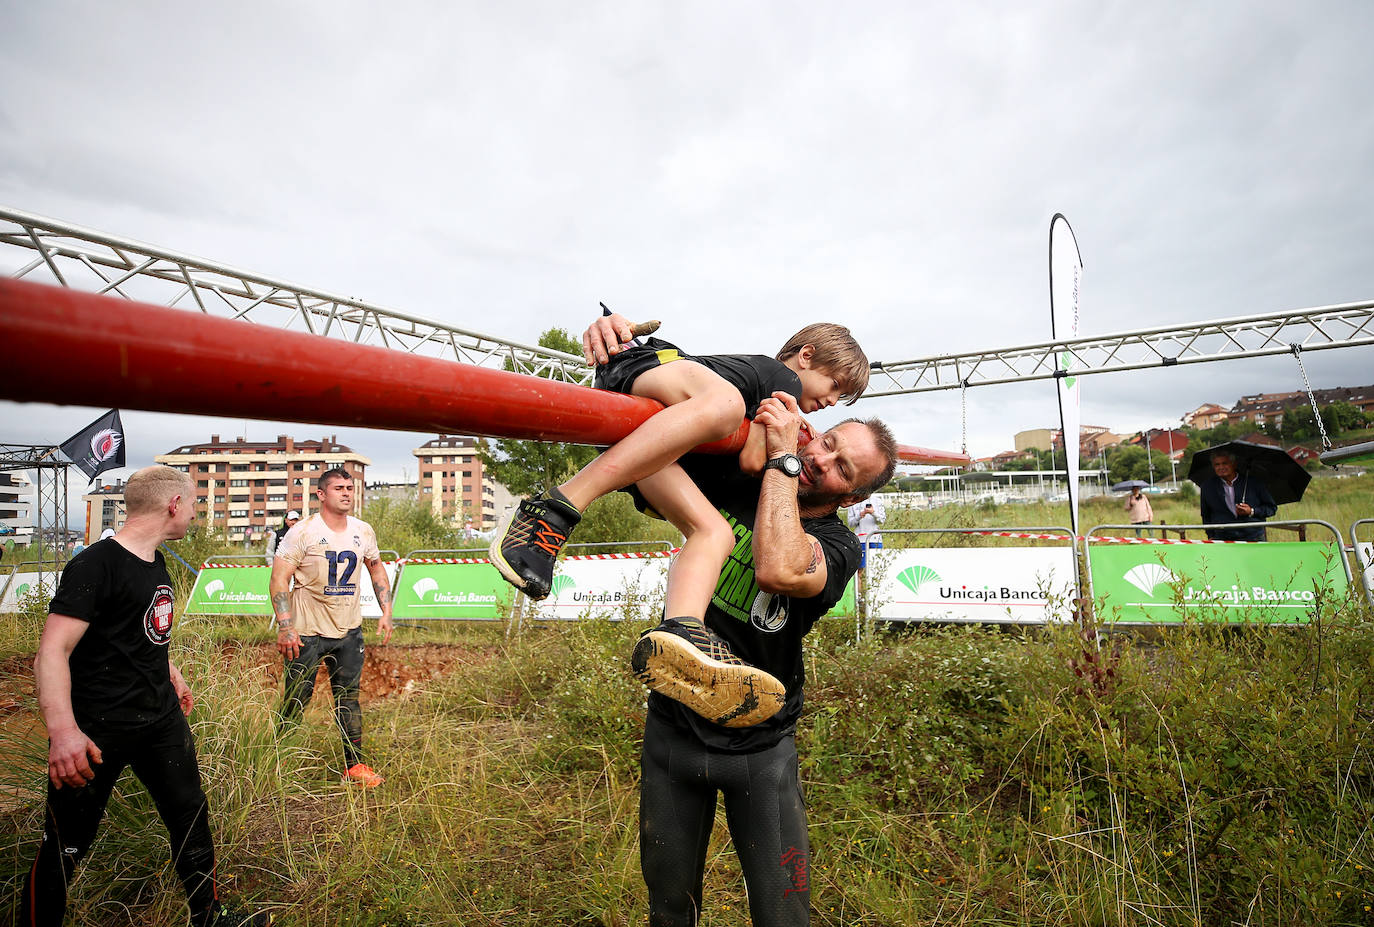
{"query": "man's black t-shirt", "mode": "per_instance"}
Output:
(120, 675)
(763, 629)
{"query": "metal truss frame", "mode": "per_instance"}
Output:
(1340, 326)
(80, 258)
(122, 267)
(50, 494)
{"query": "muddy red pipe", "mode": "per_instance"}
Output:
(75, 348)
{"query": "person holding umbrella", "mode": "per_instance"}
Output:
(1229, 497)
(1138, 509)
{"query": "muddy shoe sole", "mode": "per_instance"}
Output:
(733, 695)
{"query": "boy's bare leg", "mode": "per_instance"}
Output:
(700, 407)
(682, 658)
(707, 542)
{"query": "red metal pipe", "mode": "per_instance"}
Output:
(75, 348)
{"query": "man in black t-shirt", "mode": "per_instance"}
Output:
(111, 698)
(791, 562)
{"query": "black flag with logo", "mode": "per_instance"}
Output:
(99, 446)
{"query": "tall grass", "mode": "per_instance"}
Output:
(954, 775)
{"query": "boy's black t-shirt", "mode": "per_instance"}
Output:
(756, 376)
(120, 673)
(763, 629)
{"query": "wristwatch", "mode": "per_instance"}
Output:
(790, 464)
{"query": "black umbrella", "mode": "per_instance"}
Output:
(1129, 484)
(1283, 476)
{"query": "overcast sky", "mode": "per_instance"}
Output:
(734, 169)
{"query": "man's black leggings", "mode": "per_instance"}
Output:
(343, 659)
(763, 808)
(164, 760)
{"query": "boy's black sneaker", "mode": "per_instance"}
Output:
(526, 547)
(686, 661)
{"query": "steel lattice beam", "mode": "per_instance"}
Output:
(81, 258)
(1341, 326)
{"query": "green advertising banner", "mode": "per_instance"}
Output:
(845, 607)
(231, 591)
(1276, 582)
(464, 591)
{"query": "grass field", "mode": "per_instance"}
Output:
(954, 775)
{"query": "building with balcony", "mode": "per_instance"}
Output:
(16, 507)
(104, 509)
(245, 488)
(455, 484)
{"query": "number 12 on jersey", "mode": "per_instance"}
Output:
(341, 584)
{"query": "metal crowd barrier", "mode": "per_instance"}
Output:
(1366, 562)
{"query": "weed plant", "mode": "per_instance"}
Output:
(959, 775)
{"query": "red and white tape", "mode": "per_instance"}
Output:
(1093, 537)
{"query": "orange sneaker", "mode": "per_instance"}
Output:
(362, 774)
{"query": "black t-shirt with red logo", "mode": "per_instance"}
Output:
(120, 675)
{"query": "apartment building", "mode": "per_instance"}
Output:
(16, 512)
(453, 482)
(245, 488)
(104, 509)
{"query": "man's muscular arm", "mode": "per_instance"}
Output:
(288, 638)
(786, 559)
(71, 754)
(381, 586)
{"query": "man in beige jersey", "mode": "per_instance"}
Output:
(320, 618)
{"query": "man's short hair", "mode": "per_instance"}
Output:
(887, 446)
(153, 487)
(333, 473)
(837, 352)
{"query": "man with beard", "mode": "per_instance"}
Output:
(790, 565)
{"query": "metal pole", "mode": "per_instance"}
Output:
(1149, 464)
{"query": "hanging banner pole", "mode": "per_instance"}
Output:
(1066, 273)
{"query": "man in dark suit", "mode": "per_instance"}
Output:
(1232, 497)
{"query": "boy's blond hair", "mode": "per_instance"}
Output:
(837, 352)
(151, 488)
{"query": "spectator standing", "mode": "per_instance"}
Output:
(865, 517)
(320, 619)
(1138, 510)
(110, 698)
(274, 539)
(1229, 496)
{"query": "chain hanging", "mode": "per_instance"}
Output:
(1311, 397)
(963, 417)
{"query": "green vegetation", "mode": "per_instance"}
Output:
(527, 467)
(954, 775)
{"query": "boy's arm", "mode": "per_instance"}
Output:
(755, 452)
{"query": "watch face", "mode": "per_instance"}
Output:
(787, 463)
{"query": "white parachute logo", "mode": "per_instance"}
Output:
(105, 442)
(213, 588)
(1147, 576)
(421, 586)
